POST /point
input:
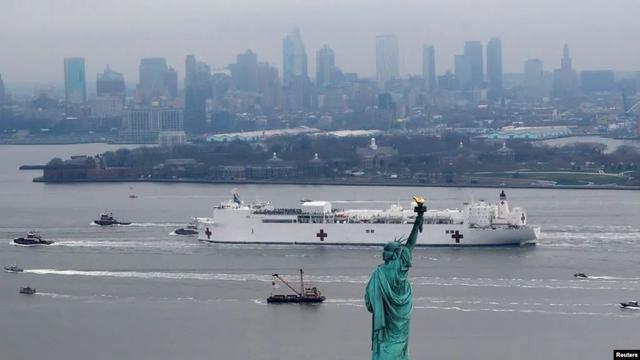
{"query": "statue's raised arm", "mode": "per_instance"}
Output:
(420, 209)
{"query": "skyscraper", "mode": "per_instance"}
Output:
(153, 79)
(473, 53)
(429, 67)
(494, 68)
(171, 81)
(110, 83)
(534, 78)
(75, 84)
(565, 79)
(387, 53)
(294, 57)
(463, 72)
(245, 72)
(198, 88)
(325, 63)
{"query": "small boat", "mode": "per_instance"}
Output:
(190, 229)
(133, 196)
(580, 276)
(32, 239)
(309, 295)
(13, 269)
(107, 219)
(631, 305)
(27, 290)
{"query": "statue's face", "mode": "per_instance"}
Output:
(390, 250)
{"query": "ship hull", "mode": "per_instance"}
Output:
(233, 227)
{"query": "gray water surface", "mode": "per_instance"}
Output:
(138, 292)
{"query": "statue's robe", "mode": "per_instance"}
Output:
(388, 298)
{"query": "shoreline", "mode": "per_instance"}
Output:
(333, 183)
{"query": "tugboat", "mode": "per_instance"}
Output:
(32, 239)
(580, 276)
(190, 229)
(631, 305)
(13, 269)
(107, 219)
(308, 295)
(27, 290)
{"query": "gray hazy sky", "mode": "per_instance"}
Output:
(35, 35)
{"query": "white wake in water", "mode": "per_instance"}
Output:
(595, 283)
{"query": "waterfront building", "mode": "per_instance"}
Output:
(387, 53)
(429, 67)
(75, 84)
(494, 68)
(294, 57)
(325, 64)
(171, 138)
(473, 53)
(145, 123)
(530, 133)
(110, 83)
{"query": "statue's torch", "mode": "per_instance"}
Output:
(420, 209)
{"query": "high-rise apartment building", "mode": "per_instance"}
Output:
(153, 79)
(75, 84)
(429, 67)
(387, 53)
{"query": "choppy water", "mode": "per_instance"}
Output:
(138, 292)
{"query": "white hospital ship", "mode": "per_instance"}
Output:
(478, 223)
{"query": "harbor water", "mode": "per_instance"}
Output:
(137, 292)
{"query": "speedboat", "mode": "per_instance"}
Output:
(31, 239)
(631, 305)
(190, 229)
(27, 290)
(13, 269)
(107, 219)
(580, 276)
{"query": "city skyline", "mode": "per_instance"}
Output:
(447, 26)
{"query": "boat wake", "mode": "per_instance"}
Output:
(602, 283)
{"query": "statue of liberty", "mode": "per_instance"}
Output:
(388, 296)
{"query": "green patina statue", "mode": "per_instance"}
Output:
(388, 296)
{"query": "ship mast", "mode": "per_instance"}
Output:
(286, 283)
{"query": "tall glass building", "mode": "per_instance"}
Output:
(294, 57)
(386, 58)
(75, 83)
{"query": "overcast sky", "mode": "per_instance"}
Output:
(35, 35)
